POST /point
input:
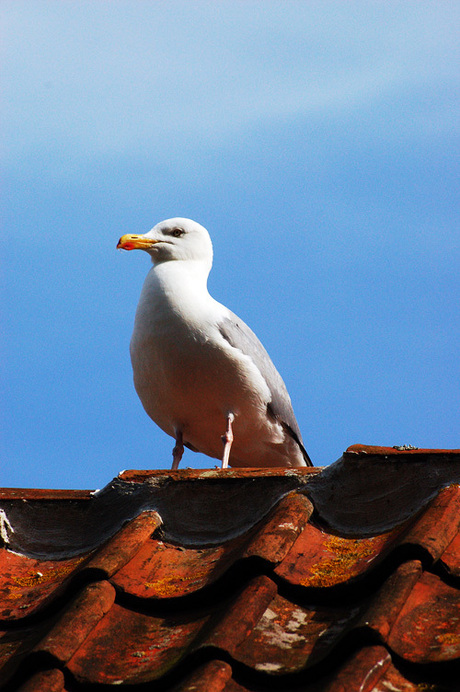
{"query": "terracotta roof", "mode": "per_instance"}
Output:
(342, 578)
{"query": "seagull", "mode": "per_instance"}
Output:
(200, 372)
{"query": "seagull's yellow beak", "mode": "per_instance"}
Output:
(135, 242)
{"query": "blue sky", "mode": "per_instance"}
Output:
(317, 141)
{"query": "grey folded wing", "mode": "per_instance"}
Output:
(240, 336)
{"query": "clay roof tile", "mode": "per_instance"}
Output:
(335, 579)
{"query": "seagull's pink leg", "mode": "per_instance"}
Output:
(227, 439)
(178, 450)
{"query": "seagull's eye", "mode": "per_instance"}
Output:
(177, 232)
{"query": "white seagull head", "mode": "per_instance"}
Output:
(175, 239)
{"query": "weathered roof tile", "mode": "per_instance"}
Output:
(45, 681)
(26, 584)
(451, 557)
(78, 621)
(213, 676)
(438, 523)
(331, 581)
(321, 559)
(277, 533)
(128, 646)
(165, 570)
(125, 544)
(427, 629)
(363, 671)
(242, 616)
(289, 637)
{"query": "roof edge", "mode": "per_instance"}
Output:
(396, 450)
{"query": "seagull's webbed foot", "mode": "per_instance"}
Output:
(227, 439)
(178, 450)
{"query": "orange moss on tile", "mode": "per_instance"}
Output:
(347, 555)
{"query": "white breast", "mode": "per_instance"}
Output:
(189, 377)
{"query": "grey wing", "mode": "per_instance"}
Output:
(240, 336)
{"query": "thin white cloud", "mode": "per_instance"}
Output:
(92, 79)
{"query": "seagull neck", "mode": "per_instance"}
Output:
(184, 277)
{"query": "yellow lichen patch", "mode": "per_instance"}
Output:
(35, 577)
(168, 586)
(343, 558)
(449, 639)
(13, 594)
